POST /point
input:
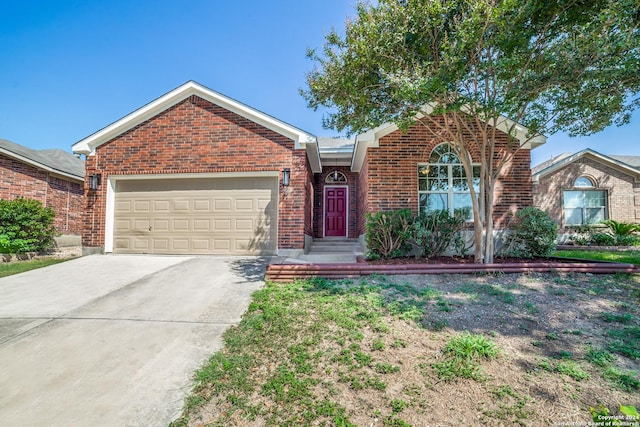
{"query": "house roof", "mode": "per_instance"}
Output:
(52, 160)
(301, 138)
(562, 160)
(336, 151)
(541, 166)
(630, 160)
(371, 138)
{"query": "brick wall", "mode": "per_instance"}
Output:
(196, 136)
(623, 194)
(391, 177)
(18, 179)
(352, 184)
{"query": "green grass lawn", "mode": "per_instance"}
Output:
(8, 269)
(630, 257)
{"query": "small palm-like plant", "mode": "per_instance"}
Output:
(621, 228)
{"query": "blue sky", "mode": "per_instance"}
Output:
(69, 68)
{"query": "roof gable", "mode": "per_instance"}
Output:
(52, 160)
(546, 168)
(302, 139)
(372, 137)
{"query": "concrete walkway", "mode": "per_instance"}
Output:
(114, 340)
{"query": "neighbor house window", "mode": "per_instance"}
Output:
(584, 205)
(442, 183)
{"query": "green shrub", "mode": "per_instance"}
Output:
(389, 233)
(621, 228)
(25, 226)
(602, 239)
(434, 232)
(623, 233)
(533, 233)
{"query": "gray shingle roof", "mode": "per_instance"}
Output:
(333, 144)
(541, 166)
(633, 161)
(55, 159)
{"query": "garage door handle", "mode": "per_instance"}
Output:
(149, 228)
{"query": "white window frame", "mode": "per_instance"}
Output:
(450, 189)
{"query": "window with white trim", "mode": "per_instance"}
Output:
(584, 204)
(442, 183)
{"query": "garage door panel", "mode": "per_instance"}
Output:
(202, 225)
(219, 216)
(222, 224)
(222, 204)
(181, 205)
(202, 205)
(162, 205)
(142, 206)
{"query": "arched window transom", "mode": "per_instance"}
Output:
(583, 182)
(335, 177)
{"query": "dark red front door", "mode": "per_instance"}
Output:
(335, 205)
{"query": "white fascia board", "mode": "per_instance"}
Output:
(88, 145)
(587, 151)
(40, 165)
(313, 155)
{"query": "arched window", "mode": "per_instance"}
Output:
(584, 204)
(583, 182)
(335, 177)
(442, 183)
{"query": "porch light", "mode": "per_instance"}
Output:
(94, 181)
(286, 175)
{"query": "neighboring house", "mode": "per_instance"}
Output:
(197, 172)
(588, 187)
(54, 177)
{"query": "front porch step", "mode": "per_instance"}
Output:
(333, 246)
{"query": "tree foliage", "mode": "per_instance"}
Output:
(549, 65)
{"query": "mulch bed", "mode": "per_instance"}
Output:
(456, 260)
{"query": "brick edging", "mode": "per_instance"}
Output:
(290, 272)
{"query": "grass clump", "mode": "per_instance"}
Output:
(9, 269)
(462, 355)
(625, 341)
(617, 317)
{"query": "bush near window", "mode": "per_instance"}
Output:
(394, 234)
(533, 234)
(25, 226)
(613, 233)
(388, 233)
(433, 232)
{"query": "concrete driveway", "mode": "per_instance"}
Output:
(114, 340)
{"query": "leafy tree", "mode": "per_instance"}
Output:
(460, 67)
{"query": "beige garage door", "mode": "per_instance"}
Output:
(196, 216)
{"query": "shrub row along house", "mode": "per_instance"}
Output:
(53, 177)
(197, 172)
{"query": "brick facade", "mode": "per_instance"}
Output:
(623, 193)
(318, 205)
(389, 177)
(18, 179)
(196, 136)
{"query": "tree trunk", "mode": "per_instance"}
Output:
(488, 243)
